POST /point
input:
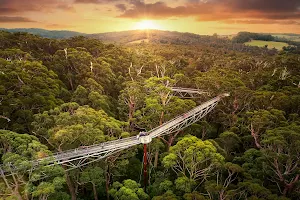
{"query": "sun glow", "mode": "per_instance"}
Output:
(146, 24)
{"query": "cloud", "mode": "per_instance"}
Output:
(86, 1)
(59, 26)
(265, 5)
(158, 10)
(6, 19)
(283, 22)
(20, 6)
(66, 7)
(216, 10)
(7, 10)
(121, 7)
(226, 28)
(95, 1)
(226, 11)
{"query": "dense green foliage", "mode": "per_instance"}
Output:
(57, 95)
(243, 37)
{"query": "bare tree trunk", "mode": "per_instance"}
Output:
(286, 190)
(3, 117)
(71, 83)
(161, 121)
(26, 195)
(221, 195)
(130, 114)
(16, 189)
(255, 137)
(171, 140)
(107, 179)
(5, 180)
(203, 133)
(17, 193)
(288, 187)
(95, 191)
(156, 158)
(70, 184)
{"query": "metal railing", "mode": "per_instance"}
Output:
(78, 157)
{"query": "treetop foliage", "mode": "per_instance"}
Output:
(61, 94)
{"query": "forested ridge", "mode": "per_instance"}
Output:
(55, 34)
(57, 95)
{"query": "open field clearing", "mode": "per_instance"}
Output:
(271, 44)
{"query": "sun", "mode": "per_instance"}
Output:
(146, 24)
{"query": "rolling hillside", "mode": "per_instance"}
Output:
(153, 36)
(46, 33)
(123, 37)
(288, 36)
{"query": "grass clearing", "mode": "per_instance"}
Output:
(271, 44)
(139, 41)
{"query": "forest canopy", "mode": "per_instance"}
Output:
(62, 94)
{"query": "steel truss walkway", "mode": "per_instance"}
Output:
(79, 157)
(187, 92)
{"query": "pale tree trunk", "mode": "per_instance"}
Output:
(235, 109)
(71, 83)
(255, 137)
(288, 187)
(17, 193)
(108, 175)
(161, 119)
(5, 181)
(131, 106)
(171, 139)
(16, 189)
(3, 117)
(221, 195)
(95, 191)
(156, 158)
(70, 184)
(107, 179)
(203, 133)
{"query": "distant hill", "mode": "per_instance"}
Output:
(46, 33)
(124, 37)
(151, 36)
(288, 36)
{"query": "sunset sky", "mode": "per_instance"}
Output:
(196, 16)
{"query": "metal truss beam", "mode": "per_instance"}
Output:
(79, 157)
(187, 93)
(186, 119)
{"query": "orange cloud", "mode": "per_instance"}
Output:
(115, 15)
(285, 22)
(95, 1)
(20, 6)
(58, 26)
(7, 19)
(216, 10)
